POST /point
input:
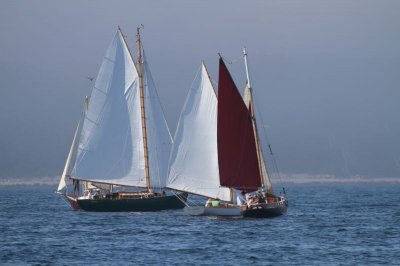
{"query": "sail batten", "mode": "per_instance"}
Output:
(237, 155)
(194, 159)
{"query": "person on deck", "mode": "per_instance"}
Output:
(208, 203)
(240, 199)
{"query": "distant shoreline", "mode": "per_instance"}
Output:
(284, 178)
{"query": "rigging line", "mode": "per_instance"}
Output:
(147, 67)
(192, 202)
(181, 199)
(274, 163)
(66, 201)
(75, 157)
(152, 135)
(152, 149)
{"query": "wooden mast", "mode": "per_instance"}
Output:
(253, 117)
(143, 112)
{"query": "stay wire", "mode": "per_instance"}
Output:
(268, 143)
(274, 163)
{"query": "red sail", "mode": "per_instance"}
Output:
(237, 154)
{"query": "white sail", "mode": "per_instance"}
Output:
(71, 155)
(110, 146)
(194, 155)
(247, 96)
(159, 138)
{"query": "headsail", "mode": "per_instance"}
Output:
(111, 142)
(248, 100)
(71, 156)
(158, 136)
(237, 154)
(194, 159)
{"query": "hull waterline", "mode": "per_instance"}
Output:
(150, 204)
(72, 200)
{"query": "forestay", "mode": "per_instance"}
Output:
(194, 155)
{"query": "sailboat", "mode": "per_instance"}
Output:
(194, 156)
(241, 161)
(121, 147)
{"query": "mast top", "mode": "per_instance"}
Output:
(139, 42)
(247, 67)
(141, 26)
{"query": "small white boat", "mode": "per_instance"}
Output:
(216, 151)
(194, 155)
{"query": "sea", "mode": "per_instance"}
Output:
(326, 224)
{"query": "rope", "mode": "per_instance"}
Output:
(274, 163)
(181, 199)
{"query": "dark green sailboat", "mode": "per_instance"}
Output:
(119, 156)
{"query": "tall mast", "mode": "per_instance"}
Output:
(143, 112)
(252, 113)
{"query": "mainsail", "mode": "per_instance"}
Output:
(194, 159)
(111, 143)
(237, 154)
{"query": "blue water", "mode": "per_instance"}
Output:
(339, 224)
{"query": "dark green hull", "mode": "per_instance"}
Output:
(133, 205)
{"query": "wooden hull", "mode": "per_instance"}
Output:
(212, 211)
(150, 204)
(265, 210)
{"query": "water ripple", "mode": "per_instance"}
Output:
(325, 225)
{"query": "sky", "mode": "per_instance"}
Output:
(326, 74)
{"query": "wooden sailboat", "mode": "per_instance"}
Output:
(194, 160)
(241, 161)
(123, 140)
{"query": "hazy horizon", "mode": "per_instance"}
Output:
(325, 74)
